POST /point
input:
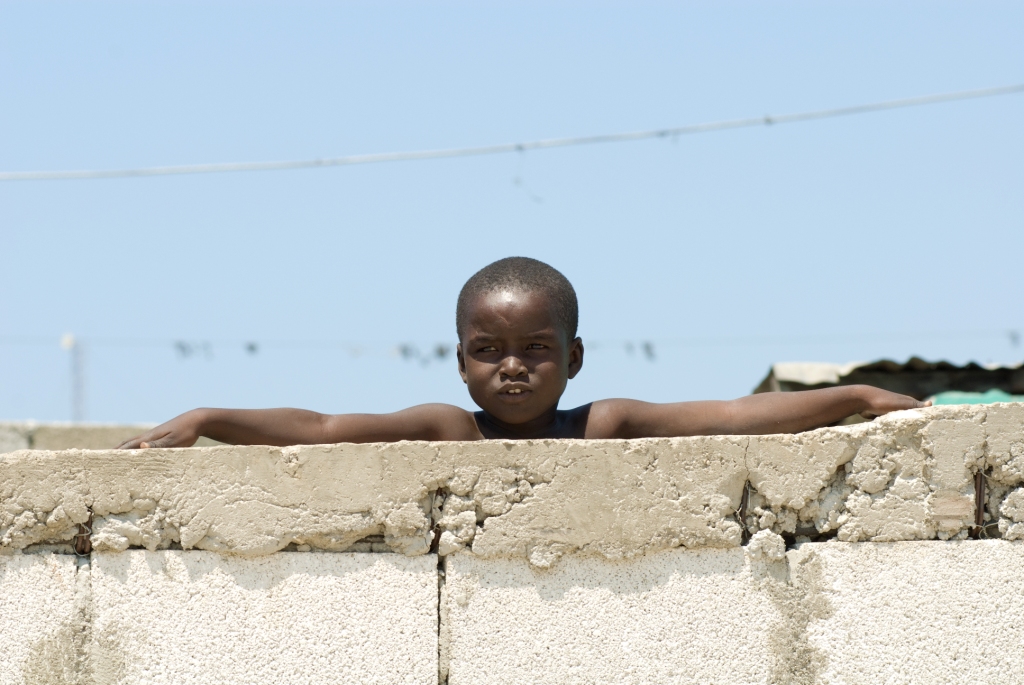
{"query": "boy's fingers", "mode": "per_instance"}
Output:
(165, 441)
(147, 440)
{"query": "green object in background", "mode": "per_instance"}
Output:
(987, 397)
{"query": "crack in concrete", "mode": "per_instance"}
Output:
(443, 627)
(799, 599)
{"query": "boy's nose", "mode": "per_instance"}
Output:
(512, 366)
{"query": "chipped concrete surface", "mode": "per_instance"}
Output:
(906, 476)
(40, 620)
(1004, 458)
(177, 617)
(1011, 523)
(256, 500)
(616, 499)
(767, 545)
(245, 500)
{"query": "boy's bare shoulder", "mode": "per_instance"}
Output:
(626, 419)
(437, 421)
(422, 422)
(608, 418)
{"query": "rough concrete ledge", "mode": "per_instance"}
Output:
(907, 476)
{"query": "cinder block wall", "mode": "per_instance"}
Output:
(843, 555)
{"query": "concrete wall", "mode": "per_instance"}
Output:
(842, 555)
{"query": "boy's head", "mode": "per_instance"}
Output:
(524, 275)
(516, 320)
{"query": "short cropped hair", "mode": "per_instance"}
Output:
(524, 274)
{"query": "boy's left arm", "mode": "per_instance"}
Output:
(761, 414)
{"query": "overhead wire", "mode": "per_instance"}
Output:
(648, 348)
(544, 144)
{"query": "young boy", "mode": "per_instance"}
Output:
(516, 320)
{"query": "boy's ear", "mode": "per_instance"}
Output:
(575, 357)
(462, 363)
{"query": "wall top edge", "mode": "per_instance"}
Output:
(911, 475)
(889, 421)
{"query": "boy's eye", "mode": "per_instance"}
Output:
(535, 346)
(489, 348)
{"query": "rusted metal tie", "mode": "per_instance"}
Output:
(741, 513)
(979, 505)
(83, 538)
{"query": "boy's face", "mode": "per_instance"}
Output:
(515, 356)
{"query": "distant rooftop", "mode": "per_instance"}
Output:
(915, 377)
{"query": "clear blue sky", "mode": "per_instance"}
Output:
(881, 235)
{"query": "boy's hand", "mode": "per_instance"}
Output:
(882, 402)
(181, 431)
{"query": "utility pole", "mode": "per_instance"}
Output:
(73, 345)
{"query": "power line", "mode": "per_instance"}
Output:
(204, 347)
(767, 120)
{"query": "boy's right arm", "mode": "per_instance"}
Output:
(300, 427)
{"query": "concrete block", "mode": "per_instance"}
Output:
(906, 476)
(1011, 521)
(797, 481)
(895, 478)
(1004, 434)
(680, 616)
(914, 612)
(615, 498)
(43, 497)
(42, 612)
(177, 617)
(790, 470)
(256, 500)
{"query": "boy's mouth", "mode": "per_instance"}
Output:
(515, 391)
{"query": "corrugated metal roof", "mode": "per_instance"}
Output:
(937, 376)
